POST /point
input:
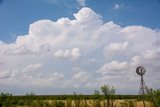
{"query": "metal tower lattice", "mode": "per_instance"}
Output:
(143, 88)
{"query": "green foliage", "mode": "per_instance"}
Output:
(6, 100)
(97, 94)
(104, 98)
(107, 90)
(155, 97)
(30, 97)
(76, 99)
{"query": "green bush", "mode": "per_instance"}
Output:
(155, 97)
(6, 100)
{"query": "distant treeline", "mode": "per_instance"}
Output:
(82, 97)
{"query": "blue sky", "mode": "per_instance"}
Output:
(65, 46)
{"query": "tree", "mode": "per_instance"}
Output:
(108, 91)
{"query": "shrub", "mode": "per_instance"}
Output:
(6, 99)
(155, 97)
(108, 92)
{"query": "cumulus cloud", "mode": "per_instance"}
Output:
(81, 76)
(31, 75)
(48, 36)
(64, 54)
(4, 74)
(123, 71)
(148, 58)
(87, 38)
(32, 67)
(88, 16)
(79, 79)
(17, 51)
(116, 48)
(114, 66)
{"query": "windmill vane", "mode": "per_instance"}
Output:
(143, 88)
(140, 70)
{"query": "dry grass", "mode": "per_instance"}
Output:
(103, 103)
(87, 103)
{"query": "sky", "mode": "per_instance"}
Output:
(66, 46)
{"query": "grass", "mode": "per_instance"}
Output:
(80, 101)
(75, 100)
(85, 103)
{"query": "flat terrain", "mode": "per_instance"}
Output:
(86, 103)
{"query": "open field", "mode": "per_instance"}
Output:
(106, 99)
(81, 103)
(76, 101)
(85, 103)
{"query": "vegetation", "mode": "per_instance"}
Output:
(108, 92)
(155, 97)
(5, 99)
(104, 98)
(128, 103)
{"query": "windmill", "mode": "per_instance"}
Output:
(143, 88)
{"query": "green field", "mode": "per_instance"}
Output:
(104, 98)
(31, 100)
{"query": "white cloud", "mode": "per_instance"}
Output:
(75, 53)
(117, 6)
(53, 79)
(81, 3)
(81, 76)
(4, 74)
(123, 71)
(48, 36)
(86, 38)
(17, 51)
(114, 67)
(139, 38)
(31, 76)
(116, 48)
(79, 79)
(64, 54)
(32, 67)
(88, 16)
(148, 58)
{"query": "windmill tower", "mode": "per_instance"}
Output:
(143, 88)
